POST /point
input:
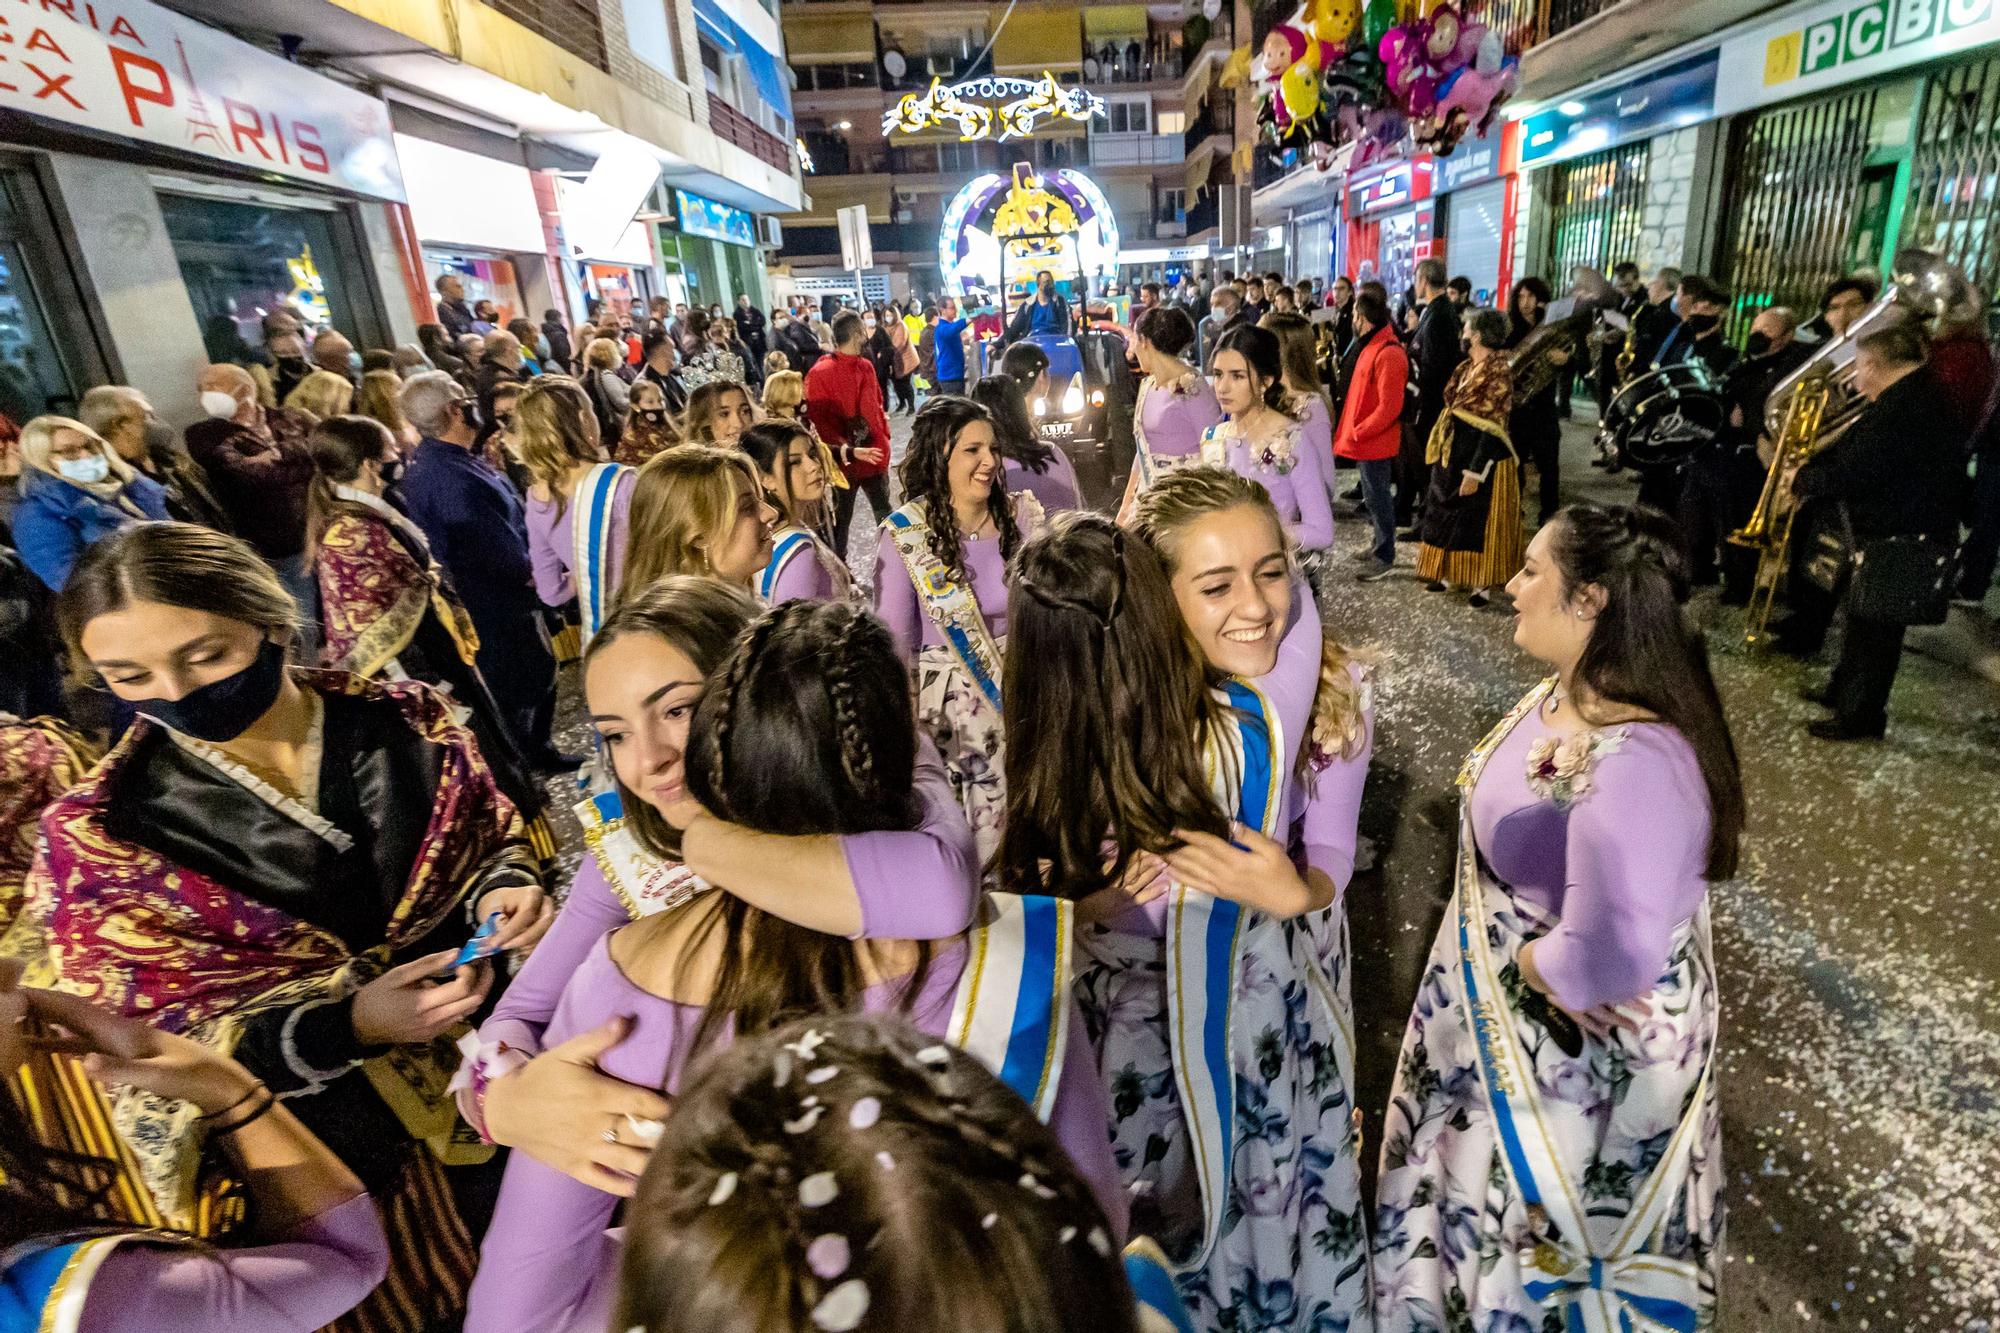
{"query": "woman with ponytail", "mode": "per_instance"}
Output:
(806, 731)
(1160, 782)
(1262, 440)
(387, 610)
(1562, 1048)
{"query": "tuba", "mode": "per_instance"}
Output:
(1813, 407)
(1533, 363)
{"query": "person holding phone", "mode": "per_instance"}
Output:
(277, 864)
(75, 1258)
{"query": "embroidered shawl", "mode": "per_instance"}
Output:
(39, 760)
(131, 931)
(1479, 393)
(374, 594)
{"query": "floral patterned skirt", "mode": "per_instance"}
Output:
(970, 736)
(1291, 1249)
(1454, 1240)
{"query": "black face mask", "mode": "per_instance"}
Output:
(1700, 324)
(1757, 344)
(292, 363)
(468, 412)
(223, 709)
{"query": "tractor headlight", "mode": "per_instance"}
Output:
(1072, 402)
(1041, 407)
(1097, 397)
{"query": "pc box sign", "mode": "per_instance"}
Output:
(1843, 42)
(137, 71)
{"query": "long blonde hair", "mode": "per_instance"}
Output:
(558, 433)
(683, 506)
(322, 394)
(784, 395)
(37, 446)
(698, 422)
(380, 398)
(1182, 498)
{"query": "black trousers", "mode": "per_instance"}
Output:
(1870, 652)
(877, 488)
(1719, 490)
(1413, 474)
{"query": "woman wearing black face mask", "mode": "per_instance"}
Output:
(282, 865)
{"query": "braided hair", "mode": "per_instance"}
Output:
(808, 728)
(1643, 653)
(851, 1173)
(934, 436)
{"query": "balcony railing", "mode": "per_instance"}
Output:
(1271, 167)
(728, 123)
(571, 24)
(1524, 23)
(1135, 62)
(1129, 150)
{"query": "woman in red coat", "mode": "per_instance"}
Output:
(1371, 424)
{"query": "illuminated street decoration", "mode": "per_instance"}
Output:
(804, 155)
(1056, 220)
(980, 106)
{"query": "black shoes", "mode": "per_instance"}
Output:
(1835, 729)
(1822, 695)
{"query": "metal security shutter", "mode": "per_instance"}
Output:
(1803, 205)
(1955, 171)
(1474, 222)
(1599, 205)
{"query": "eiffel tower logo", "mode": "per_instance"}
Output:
(200, 124)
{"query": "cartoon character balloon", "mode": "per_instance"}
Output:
(1448, 73)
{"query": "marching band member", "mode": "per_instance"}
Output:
(807, 730)
(941, 586)
(801, 565)
(1552, 1152)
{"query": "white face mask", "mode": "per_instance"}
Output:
(218, 404)
(87, 471)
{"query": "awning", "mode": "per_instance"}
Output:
(1122, 23)
(1039, 37)
(826, 38)
(774, 83)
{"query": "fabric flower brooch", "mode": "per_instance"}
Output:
(1560, 768)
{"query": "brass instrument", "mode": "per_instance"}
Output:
(1627, 355)
(1810, 409)
(1532, 361)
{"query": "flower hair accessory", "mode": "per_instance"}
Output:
(1561, 769)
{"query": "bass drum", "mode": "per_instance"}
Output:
(1667, 415)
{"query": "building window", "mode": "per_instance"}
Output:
(1172, 122)
(1128, 116)
(1173, 206)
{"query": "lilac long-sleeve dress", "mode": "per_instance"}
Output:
(915, 885)
(548, 1263)
(951, 706)
(1592, 847)
(1293, 1213)
(1168, 423)
(304, 1280)
(1288, 467)
(1316, 435)
(803, 570)
(552, 542)
(1057, 488)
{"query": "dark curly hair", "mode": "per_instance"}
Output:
(938, 1200)
(807, 728)
(927, 477)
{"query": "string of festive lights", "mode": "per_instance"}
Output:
(979, 106)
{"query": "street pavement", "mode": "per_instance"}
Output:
(1860, 1060)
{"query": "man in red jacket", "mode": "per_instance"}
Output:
(1371, 429)
(844, 404)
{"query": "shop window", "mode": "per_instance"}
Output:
(242, 261)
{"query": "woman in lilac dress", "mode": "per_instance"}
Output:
(808, 729)
(947, 1204)
(941, 586)
(1263, 441)
(1552, 1154)
(802, 564)
(1298, 349)
(580, 504)
(919, 884)
(1040, 469)
(1176, 406)
(75, 1259)
(1161, 788)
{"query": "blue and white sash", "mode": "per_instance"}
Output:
(44, 1283)
(645, 883)
(1012, 1009)
(1623, 1289)
(948, 602)
(787, 545)
(591, 555)
(1152, 1279)
(1245, 766)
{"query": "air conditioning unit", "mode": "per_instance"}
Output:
(770, 233)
